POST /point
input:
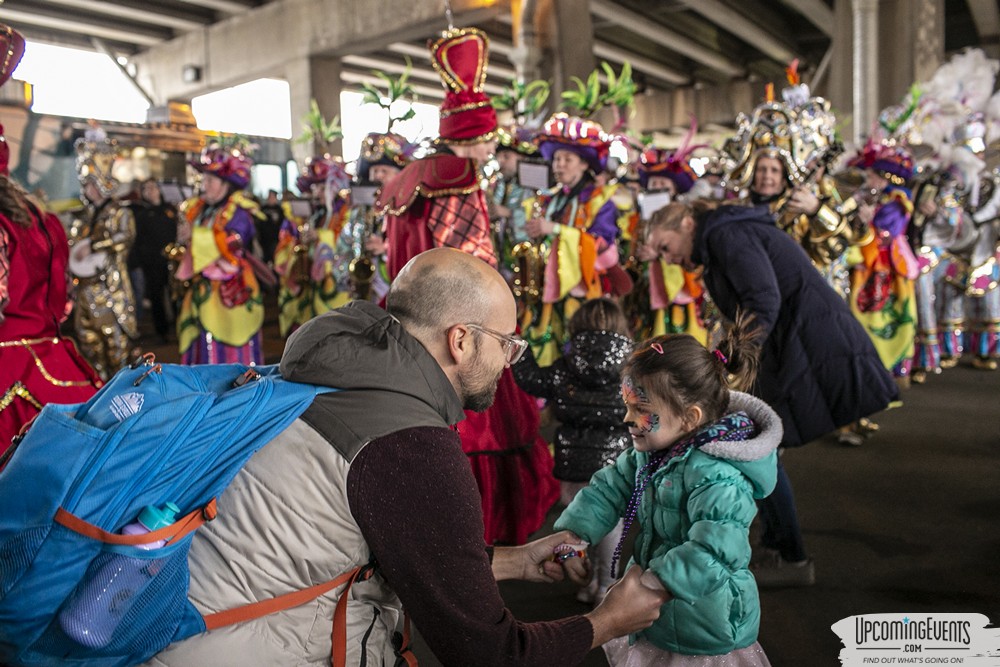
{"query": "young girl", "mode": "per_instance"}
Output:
(583, 388)
(701, 455)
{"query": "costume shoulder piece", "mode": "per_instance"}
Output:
(434, 176)
(247, 203)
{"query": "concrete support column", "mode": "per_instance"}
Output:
(865, 66)
(564, 36)
(315, 77)
(527, 53)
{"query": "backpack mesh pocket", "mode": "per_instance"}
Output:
(17, 554)
(124, 606)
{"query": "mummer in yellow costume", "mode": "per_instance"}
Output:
(222, 311)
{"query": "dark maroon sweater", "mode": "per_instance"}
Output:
(416, 501)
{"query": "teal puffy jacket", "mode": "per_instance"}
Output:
(693, 523)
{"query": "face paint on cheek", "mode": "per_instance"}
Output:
(632, 392)
(654, 423)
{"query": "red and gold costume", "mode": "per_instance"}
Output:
(437, 202)
(37, 365)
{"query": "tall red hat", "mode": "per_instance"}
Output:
(11, 50)
(460, 58)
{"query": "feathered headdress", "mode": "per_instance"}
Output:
(228, 160)
(675, 165)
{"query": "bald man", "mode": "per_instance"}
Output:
(376, 473)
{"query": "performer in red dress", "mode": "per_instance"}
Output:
(37, 365)
(436, 202)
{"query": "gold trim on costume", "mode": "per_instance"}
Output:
(465, 107)
(26, 343)
(18, 390)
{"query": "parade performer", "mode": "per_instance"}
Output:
(506, 210)
(361, 267)
(957, 116)
(104, 314)
(37, 365)
(222, 310)
(436, 202)
(574, 224)
(306, 253)
(676, 295)
(882, 293)
(524, 103)
(780, 156)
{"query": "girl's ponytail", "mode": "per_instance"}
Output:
(739, 352)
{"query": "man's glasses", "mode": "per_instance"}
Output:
(513, 346)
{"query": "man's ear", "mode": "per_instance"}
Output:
(460, 343)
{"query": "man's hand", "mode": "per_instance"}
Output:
(533, 561)
(629, 607)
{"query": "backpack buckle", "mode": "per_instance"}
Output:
(154, 369)
(249, 376)
(148, 359)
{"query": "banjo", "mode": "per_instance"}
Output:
(87, 263)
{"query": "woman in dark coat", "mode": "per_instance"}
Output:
(819, 370)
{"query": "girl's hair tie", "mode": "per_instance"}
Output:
(720, 356)
(657, 347)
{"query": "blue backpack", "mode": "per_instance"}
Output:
(72, 587)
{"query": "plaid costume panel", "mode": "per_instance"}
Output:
(462, 222)
(4, 270)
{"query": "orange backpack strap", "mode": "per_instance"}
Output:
(172, 533)
(406, 650)
(255, 610)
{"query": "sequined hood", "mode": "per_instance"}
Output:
(595, 358)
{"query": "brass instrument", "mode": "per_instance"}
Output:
(174, 252)
(362, 269)
(300, 271)
(529, 265)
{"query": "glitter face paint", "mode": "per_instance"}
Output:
(637, 403)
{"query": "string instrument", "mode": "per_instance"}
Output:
(84, 262)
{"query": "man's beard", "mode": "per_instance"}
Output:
(477, 392)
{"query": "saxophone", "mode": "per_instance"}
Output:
(529, 265)
(362, 269)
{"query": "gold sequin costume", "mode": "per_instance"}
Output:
(104, 314)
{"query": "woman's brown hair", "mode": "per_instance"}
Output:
(14, 202)
(669, 217)
(682, 373)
